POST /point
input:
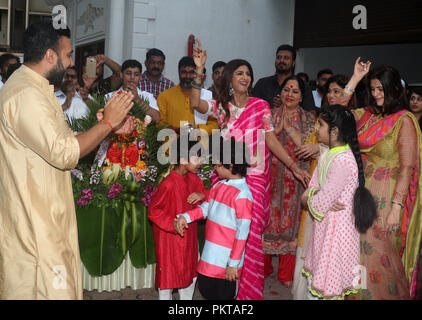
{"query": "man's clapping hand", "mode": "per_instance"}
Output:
(117, 108)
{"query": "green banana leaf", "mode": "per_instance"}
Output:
(107, 234)
(142, 251)
(99, 250)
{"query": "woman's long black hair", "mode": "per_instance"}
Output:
(224, 96)
(364, 207)
(395, 98)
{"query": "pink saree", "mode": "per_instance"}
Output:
(250, 128)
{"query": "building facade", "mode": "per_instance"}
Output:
(126, 29)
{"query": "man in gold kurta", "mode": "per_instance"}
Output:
(39, 251)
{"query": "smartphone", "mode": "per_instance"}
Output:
(91, 67)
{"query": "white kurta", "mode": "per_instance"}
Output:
(39, 251)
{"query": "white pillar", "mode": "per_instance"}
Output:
(115, 30)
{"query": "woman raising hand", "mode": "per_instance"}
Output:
(242, 117)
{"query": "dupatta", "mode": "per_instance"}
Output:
(249, 129)
(411, 227)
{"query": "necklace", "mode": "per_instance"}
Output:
(242, 104)
(291, 114)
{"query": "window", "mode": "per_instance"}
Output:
(15, 17)
(86, 50)
(327, 23)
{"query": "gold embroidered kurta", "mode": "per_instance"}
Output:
(39, 251)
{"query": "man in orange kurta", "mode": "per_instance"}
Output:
(174, 103)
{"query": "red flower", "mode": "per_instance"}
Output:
(131, 156)
(114, 154)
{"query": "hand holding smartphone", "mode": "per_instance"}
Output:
(91, 67)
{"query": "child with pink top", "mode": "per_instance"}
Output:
(341, 207)
(228, 211)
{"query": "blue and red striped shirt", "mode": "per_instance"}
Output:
(229, 213)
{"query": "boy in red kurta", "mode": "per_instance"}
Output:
(177, 257)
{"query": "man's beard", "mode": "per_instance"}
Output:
(321, 89)
(286, 70)
(186, 84)
(56, 75)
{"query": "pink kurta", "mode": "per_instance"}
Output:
(332, 259)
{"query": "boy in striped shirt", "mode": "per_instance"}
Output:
(229, 212)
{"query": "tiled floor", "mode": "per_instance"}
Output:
(273, 290)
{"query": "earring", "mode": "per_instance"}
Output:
(231, 91)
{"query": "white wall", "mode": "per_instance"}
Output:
(405, 57)
(88, 20)
(228, 29)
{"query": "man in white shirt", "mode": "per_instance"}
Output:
(322, 79)
(73, 105)
(72, 96)
(131, 76)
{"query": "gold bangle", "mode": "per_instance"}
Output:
(290, 131)
(291, 164)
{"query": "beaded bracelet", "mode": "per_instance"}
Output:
(291, 164)
(201, 76)
(195, 85)
(349, 89)
(290, 131)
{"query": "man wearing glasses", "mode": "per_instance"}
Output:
(152, 80)
(174, 103)
(72, 96)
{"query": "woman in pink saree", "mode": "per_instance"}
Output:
(249, 120)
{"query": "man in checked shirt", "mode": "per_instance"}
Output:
(152, 79)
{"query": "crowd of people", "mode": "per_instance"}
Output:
(334, 193)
